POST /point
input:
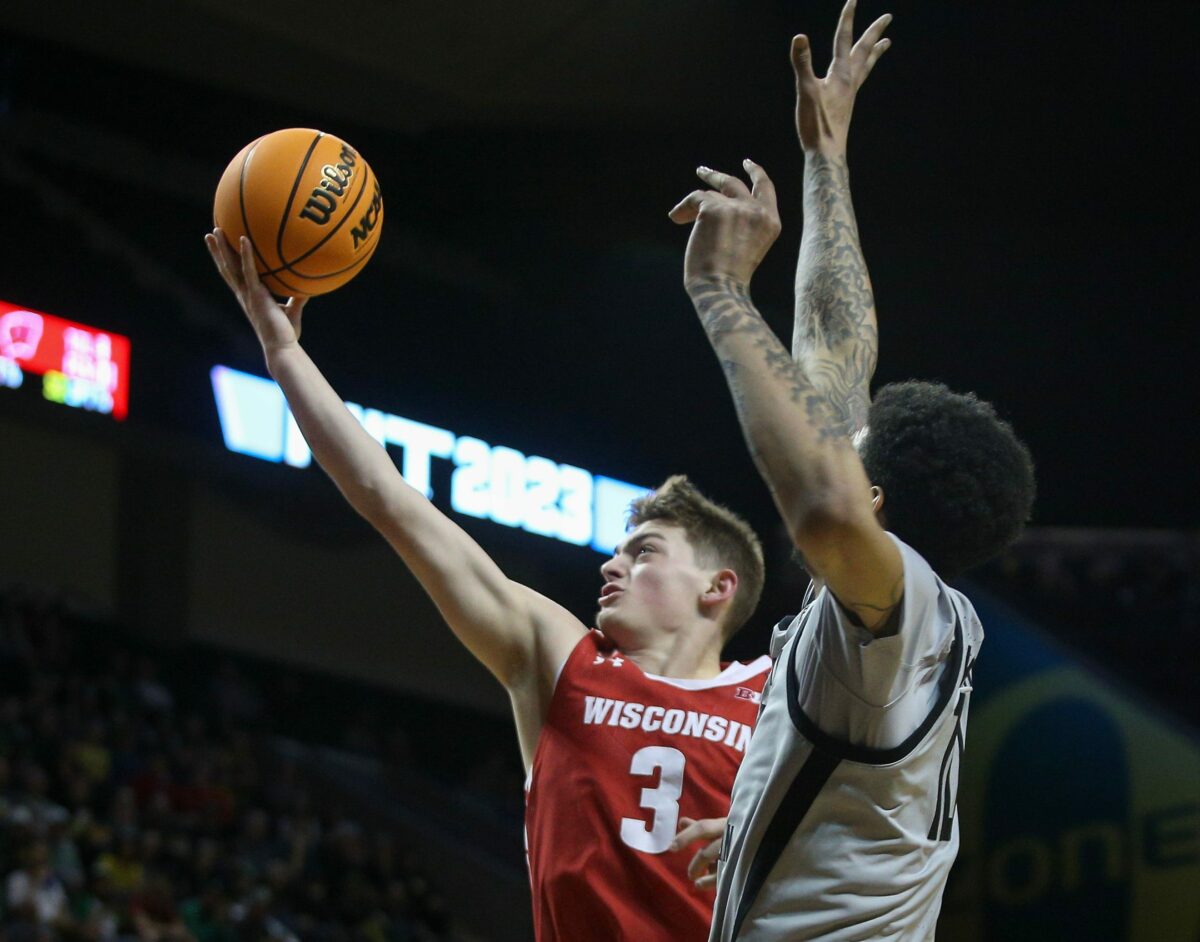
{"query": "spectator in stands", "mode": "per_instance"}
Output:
(135, 820)
(94, 911)
(155, 915)
(207, 915)
(35, 893)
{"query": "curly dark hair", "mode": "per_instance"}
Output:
(958, 485)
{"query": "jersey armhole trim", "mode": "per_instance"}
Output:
(866, 755)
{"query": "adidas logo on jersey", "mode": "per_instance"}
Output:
(599, 711)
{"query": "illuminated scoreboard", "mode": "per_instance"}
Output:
(80, 366)
(490, 482)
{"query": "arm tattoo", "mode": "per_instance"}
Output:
(835, 333)
(725, 309)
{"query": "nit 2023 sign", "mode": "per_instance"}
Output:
(80, 366)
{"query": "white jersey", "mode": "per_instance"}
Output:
(842, 824)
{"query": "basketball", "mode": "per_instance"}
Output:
(310, 206)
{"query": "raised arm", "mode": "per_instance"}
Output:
(799, 442)
(834, 337)
(516, 633)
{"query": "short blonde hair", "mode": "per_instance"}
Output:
(718, 535)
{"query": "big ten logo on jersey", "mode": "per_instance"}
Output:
(748, 693)
(614, 659)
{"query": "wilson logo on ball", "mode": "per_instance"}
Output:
(325, 195)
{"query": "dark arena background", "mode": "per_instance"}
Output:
(225, 705)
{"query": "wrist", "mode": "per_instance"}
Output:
(709, 283)
(828, 148)
(278, 354)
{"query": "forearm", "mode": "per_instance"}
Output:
(835, 338)
(368, 478)
(355, 461)
(470, 590)
(798, 440)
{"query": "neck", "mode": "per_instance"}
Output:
(684, 655)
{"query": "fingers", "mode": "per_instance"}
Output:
(763, 189)
(870, 46)
(843, 39)
(249, 269)
(691, 830)
(802, 62)
(688, 208)
(701, 868)
(723, 183)
(876, 51)
(224, 258)
(704, 859)
(726, 186)
(864, 53)
(293, 311)
(868, 40)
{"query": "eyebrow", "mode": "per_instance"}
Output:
(639, 539)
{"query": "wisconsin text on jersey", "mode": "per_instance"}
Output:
(598, 711)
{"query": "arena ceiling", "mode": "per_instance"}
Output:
(415, 65)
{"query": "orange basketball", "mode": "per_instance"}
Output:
(310, 205)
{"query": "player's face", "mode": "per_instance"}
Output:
(652, 584)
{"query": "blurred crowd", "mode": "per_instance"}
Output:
(127, 814)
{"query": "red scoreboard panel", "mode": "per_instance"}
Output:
(80, 366)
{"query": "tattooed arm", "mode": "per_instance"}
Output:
(798, 440)
(835, 337)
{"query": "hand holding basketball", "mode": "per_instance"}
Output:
(277, 327)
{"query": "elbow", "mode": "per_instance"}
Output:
(371, 499)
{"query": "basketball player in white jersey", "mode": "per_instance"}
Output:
(842, 824)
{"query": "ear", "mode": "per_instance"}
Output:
(721, 587)
(876, 498)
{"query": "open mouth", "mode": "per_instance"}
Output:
(609, 592)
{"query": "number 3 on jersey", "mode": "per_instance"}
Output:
(663, 801)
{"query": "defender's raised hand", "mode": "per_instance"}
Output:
(824, 105)
(734, 227)
(277, 326)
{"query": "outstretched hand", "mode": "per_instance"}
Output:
(277, 326)
(824, 105)
(734, 227)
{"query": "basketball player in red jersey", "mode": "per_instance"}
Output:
(626, 731)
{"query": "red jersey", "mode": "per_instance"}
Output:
(623, 755)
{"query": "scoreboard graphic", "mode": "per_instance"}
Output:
(80, 366)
